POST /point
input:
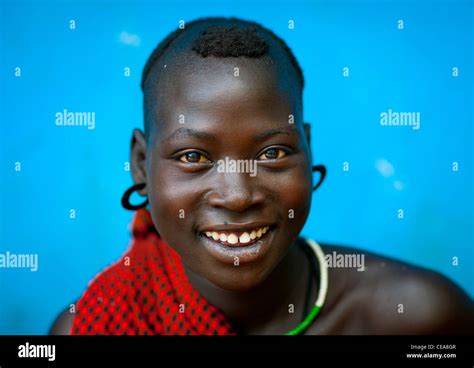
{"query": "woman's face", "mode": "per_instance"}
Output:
(205, 111)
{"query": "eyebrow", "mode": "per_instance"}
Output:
(183, 133)
(272, 132)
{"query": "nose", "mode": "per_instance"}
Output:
(235, 192)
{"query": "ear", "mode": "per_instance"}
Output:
(138, 158)
(307, 133)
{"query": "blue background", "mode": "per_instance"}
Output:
(391, 168)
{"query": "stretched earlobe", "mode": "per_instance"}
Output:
(322, 171)
(126, 197)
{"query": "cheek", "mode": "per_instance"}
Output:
(294, 193)
(171, 201)
(171, 204)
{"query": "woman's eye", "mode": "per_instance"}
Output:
(193, 157)
(272, 154)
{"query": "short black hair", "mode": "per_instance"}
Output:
(224, 37)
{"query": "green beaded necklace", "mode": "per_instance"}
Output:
(323, 289)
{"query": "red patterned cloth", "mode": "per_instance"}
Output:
(146, 293)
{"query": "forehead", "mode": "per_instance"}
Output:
(221, 88)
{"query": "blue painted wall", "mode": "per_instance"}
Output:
(389, 168)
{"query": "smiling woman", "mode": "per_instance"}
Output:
(219, 251)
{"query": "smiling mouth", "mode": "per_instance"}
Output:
(237, 238)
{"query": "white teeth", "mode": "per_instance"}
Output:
(244, 238)
(232, 239)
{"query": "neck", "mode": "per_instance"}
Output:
(266, 309)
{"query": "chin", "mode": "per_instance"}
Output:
(240, 280)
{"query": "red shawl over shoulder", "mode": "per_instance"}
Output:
(146, 293)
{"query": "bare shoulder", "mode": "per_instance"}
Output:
(394, 297)
(63, 323)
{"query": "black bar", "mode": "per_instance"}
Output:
(355, 350)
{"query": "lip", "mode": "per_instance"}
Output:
(245, 254)
(235, 227)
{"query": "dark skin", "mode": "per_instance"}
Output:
(246, 117)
